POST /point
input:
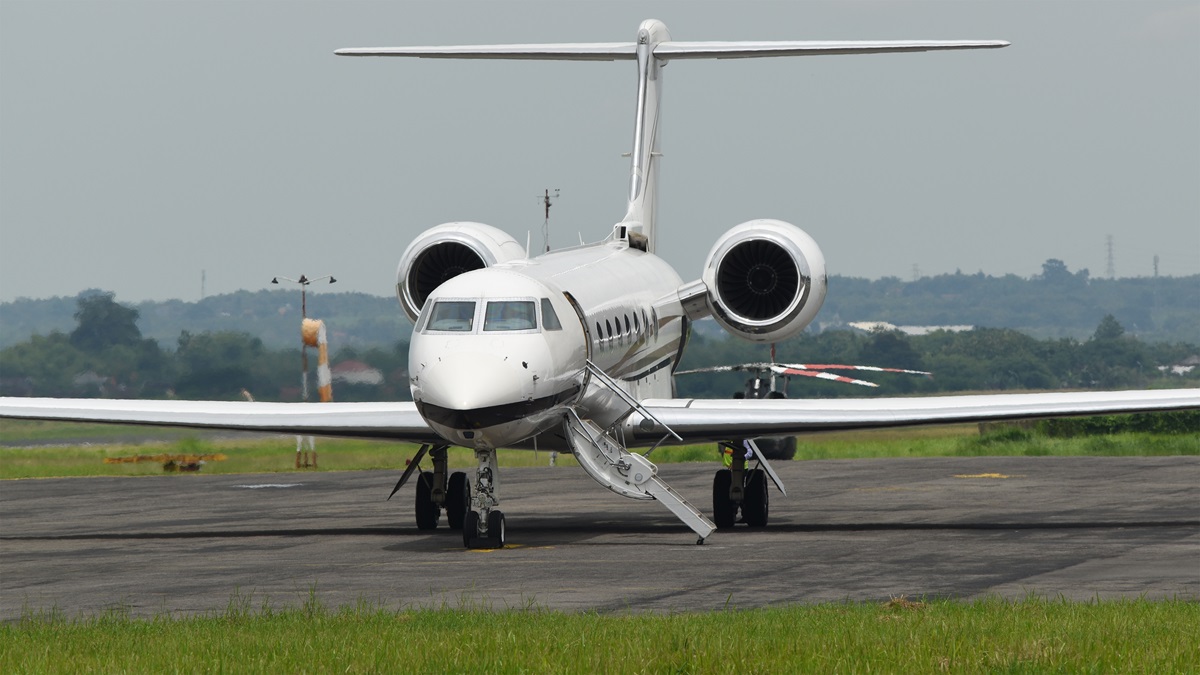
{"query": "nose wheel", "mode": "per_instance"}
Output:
(483, 525)
(492, 537)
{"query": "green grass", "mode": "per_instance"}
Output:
(1033, 635)
(268, 454)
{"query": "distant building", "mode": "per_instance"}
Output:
(872, 326)
(1183, 367)
(356, 372)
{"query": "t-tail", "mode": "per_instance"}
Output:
(653, 49)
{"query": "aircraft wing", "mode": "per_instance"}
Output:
(396, 421)
(696, 420)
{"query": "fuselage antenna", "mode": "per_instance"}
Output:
(545, 199)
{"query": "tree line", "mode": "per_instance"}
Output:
(106, 355)
(1056, 303)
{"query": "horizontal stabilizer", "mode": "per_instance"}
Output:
(578, 51)
(747, 50)
(614, 51)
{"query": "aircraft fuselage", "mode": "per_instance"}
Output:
(485, 380)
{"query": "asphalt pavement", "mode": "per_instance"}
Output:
(860, 530)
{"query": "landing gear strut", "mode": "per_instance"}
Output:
(483, 524)
(740, 488)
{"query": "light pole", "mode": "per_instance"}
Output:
(304, 282)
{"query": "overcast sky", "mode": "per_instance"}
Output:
(142, 143)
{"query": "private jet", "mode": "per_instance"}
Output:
(575, 349)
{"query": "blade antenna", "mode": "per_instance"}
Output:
(547, 200)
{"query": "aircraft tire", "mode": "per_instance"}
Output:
(458, 499)
(724, 510)
(496, 529)
(470, 530)
(755, 508)
(427, 511)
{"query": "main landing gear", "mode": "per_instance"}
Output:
(738, 488)
(437, 491)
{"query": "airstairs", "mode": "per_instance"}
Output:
(606, 460)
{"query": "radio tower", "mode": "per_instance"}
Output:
(1112, 269)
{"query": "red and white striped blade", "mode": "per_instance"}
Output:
(822, 375)
(838, 366)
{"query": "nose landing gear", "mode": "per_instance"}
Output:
(483, 526)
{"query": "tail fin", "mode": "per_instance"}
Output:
(652, 50)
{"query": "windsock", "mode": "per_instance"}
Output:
(312, 331)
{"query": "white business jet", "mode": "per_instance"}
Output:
(575, 349)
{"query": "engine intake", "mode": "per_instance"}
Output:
(446, 251)
(765, 280)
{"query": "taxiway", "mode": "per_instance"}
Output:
(851, 530)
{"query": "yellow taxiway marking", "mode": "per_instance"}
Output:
(508, 547)
(984, 475)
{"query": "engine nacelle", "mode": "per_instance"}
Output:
(765, 280)
(446, 251)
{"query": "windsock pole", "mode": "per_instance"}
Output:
(317, 340)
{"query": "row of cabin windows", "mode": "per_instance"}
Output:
(613, 328)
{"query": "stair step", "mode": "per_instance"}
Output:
(629, 475)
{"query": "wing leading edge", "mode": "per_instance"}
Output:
(394, 421)
(724, 419)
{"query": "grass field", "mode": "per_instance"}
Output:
(1033, 635)
(74, 456)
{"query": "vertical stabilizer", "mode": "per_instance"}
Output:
(643, 178)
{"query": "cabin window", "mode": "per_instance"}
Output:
(609, 332)
(627, 329)
(549, 318)
(599, 332)
(636, 328)
(510, 315)
(452, 315)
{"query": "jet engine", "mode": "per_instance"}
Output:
(765, 280)
(446, 251)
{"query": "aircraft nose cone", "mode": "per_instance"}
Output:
(472, 390)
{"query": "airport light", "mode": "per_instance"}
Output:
(304, 282)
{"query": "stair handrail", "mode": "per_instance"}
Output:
(634, 404)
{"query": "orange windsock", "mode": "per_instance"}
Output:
(312, 331)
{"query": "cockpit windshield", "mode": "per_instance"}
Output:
(510, 315)
(452, 315)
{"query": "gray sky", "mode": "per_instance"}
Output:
(143, 142)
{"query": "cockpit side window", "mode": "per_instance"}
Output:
(452, 315)
(510, 315)
(549, 317)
